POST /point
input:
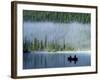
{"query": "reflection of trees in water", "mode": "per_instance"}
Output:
(46, 60)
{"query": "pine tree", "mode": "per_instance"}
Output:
(45, 43)
(35, 44)
(41, 47)
(64, 46)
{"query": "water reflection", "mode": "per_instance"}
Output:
(40, 60)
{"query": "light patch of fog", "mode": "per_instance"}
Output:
(75, 34)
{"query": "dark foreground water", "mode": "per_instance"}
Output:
(54, 60)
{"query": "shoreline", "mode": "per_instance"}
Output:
(59, 52)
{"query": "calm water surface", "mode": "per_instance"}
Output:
(47, 60)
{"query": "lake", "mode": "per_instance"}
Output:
(53, 60)
(76, 35)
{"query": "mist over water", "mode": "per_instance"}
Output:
(75, 34)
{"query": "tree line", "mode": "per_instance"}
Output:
(62, 17)
(44, 45)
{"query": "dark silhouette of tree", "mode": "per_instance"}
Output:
(26, 45)
(35, 44)
(45, 43)
(64, 46)
(42, 46)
